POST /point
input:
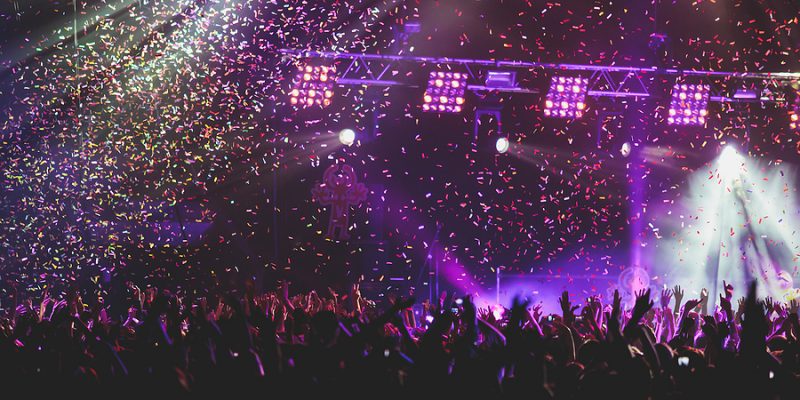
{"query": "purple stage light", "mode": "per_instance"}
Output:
(566, 97)
(794, 115)
(689, 105)
(445, 92)
(313, 85)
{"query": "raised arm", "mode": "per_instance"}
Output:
(567, 309)
(678, 292)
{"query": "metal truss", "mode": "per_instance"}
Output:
(604, 83)
(364, 69)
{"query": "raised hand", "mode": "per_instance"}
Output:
(642, 305)
(46, 300)
(728, 289)
(779, 308)
(739, 310)
(442, 300)
(489, 316)
(690, 305)
(793, 307)
(666, 295)
(713, 330)
(536, 312)
(483, 313)
(725, 304)
(613, 332)
(567, 309)
(616, 305)
(57, 307)
(704, 301)
(770, 303)
(678, 292)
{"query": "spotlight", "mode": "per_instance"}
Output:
(792, 98)
(729, 163)
(445, 92)
(689, 105)
(498, 311)
(566, 97)
(313, 85)
(347, 137)
(501, 145)
(794, 120)
(625, 150)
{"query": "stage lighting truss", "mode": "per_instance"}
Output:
(445, 92)
(566, 97)
(313, 86)
(689, 104)
(361, 69)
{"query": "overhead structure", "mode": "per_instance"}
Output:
(604, 81)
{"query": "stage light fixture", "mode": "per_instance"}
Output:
(502, 145)
(689, 104)
(347, 137)
(566, 97)
(625, 150)
(445, 92)
(501, 80)
(794, 119)
(313, 85)
(497, 311)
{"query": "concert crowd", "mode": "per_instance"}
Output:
(662, 347)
